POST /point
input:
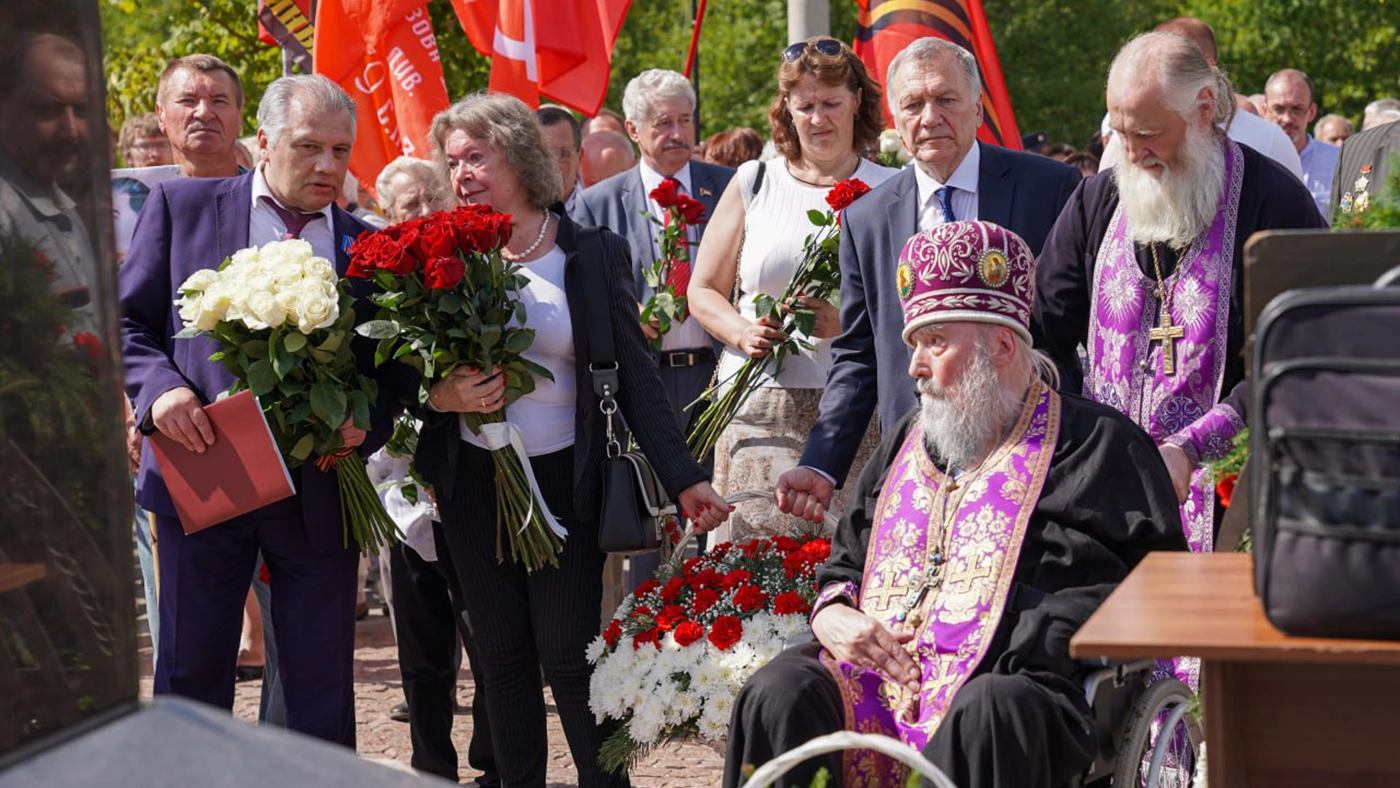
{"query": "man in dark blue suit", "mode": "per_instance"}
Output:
(307, 128)
(934, 92)
(660, 108)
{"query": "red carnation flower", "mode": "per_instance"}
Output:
(845, 193)
(641, 611)
(672, 589)
(669, 617)
(736, 578)
(688, 632)
(443, 273)
(667, 193)
(704, 600)
(692, 211)
(787, 544)
(817, 550)
(790, 602)
(648, 587)
(90, 344)
(612, 633)
(727, 631)
(437, 239)
(652, 636)
(750, 598)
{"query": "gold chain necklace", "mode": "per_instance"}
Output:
(1165, 332)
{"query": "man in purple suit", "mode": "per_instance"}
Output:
(307, 128)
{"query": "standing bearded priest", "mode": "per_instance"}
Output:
(1144, 268)
(991, 522)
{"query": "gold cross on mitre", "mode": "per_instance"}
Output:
(1167, 334)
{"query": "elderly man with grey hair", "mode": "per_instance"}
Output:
(1380, 112)
(1145, 266)
(934, 92)
(660, 109)
(307, 128)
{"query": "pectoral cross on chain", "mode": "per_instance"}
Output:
(1167, 334)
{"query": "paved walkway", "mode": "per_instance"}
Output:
(377, 689)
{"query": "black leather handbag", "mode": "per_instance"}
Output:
(635, 507)
(1325, 462)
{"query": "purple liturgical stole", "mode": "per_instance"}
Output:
(1124, 365)
(953, 547)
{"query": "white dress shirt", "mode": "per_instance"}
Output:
(964, 182)
(265, 226)
(688, 334)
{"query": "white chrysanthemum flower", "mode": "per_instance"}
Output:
(596, 650)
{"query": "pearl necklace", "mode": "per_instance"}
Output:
(544, 227)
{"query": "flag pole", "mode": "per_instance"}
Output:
(692, 60)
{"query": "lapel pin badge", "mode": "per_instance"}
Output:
(706, 192)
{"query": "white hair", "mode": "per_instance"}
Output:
(313, 92)
(1380, 112)
(403, 165)
(653, 85)
(1180, 70)
(928, 48)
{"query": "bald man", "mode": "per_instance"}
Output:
(1289, 104)
(605, 154)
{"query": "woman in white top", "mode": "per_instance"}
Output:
(826, 115)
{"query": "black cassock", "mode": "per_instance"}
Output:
(1271, 198)
(1021, 720)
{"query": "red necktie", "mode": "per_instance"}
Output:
(678, 277)
(294, 221)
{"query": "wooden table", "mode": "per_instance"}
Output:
(1280, 711)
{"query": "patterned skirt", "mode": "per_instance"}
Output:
(764, 440)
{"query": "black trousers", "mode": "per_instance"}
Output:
(428, 621)
(1014, 730)
(524, 621)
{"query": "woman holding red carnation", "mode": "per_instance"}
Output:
(493, 153)
(826, 115)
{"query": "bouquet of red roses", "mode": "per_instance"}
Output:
(448, 299)
(669, 276)
(682, 645)
(817, 275)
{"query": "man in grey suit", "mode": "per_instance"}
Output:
(934, 92)
(660, 109)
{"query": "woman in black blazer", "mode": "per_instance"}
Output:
(493, 153)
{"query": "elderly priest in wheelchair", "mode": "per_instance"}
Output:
(992, 521)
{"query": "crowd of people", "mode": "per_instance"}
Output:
(1033, 356)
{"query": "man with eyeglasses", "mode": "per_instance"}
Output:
(1288, 103)
(564, 137)
(934, 91)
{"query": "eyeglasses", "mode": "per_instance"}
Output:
(824, 46)
(563, 154)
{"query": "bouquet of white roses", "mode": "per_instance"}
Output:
(682, 645)
(284, 322)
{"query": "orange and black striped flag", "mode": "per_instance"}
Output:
(887, 26)
(287, 23)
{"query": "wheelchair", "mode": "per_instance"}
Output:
(1149, 732)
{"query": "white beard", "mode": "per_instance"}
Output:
(1180, 205)
(962, 424)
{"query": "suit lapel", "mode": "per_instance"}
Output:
(344, 231)
(232, 209)
(903, 210)
(634, 201)
(995, 187)
(707, 188)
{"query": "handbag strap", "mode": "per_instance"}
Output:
(602, 355)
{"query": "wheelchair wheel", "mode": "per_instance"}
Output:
(1160, 741)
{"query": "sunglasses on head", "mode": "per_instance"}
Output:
(824, 46)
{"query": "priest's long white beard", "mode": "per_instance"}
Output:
(1183, 202)
(962, 421)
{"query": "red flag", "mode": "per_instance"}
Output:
(287, 23)
(384, 54)
(884, 27)
(559, 49)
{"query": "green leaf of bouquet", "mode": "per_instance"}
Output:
(188, 332)
(489, 336)
(819, 218)
(518, 341)
(379, 329)
(261, 377)
(302, 449)
(257, 348)
(764, 305)
(299, 412)
(536, 370)
(328, 403)
(403, 350)
(451, 303)
(294, 341)
(359, 407)
(805, 321)
(283, 364)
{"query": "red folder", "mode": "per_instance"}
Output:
(241, 472)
